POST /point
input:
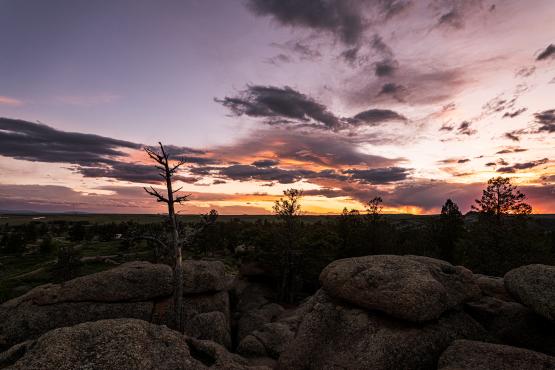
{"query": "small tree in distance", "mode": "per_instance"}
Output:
(167, 171)
(502, 198)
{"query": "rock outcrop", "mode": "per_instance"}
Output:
(138, 290)
(119, 344)
(534, 286)
(514, 324)
(412, 288)
(333, 335)
(471, 355)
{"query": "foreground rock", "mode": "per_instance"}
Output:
(204, 276)
(334, 336)
(514, 324)
(254, 307)
(534, 286)
(138, 290)
(120, 344)
(407, 287)
(470, 355)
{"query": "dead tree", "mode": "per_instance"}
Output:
(167, 171)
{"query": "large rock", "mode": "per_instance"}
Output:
(534, 286)
(407, 287)
(138, 290)
(204, 276)
(470, 355)
(492, 287)
(133, 281)
(514, 324)
(28, 321)
(120, 344)
(254, 307)
(335, 336)
(206, 316)
(269, 341)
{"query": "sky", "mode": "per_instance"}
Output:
(412, 101)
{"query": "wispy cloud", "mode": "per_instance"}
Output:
(6, 100)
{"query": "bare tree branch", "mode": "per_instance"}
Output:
(159, 197)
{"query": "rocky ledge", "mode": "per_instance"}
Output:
(378, 312)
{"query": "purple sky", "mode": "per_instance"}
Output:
(415, 101)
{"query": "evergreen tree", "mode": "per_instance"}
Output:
(502, 198)
(451, 226)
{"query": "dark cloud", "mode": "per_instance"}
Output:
(218, 181)
(351, 55)
(242, 172)
(452, 18)
(375, 116)
(453, 13)
(513, 135)
(522, 166)
(131, 172)
(92, 155)
(546, 119)
(548, 52)
(385, 68)
(490, 164)
(38, 142)
(465, 129)
(339, 17)
(285, 106)
(446, 127)
(280, 104)
(265, 163)
(345, 19)
(397, 91)
(514, 113)
(379, 175)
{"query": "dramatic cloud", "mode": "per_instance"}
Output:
(315, 148)
(342, 18)
(281, 106)
(38, 142)
(379, 175)
(546, 119)
(243, 172)
(92, 155)
(522, 166)
(548, 52)
(132, 172)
